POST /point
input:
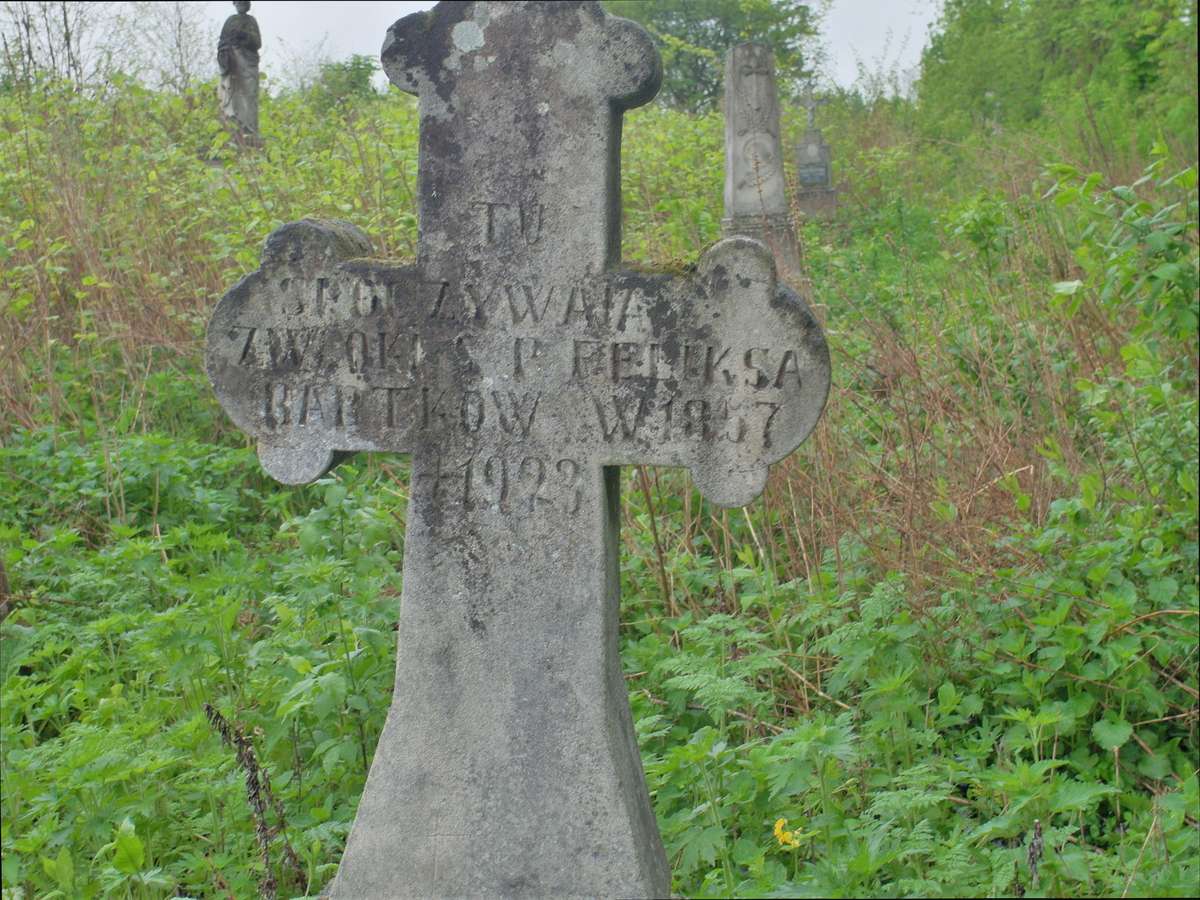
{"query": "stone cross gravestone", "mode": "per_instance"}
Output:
(810, 102)
(816, 196)
(519, 365)
(756, 200)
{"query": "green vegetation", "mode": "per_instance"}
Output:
(953, 647)
(693, 35)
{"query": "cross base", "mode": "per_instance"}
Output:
(510, 718)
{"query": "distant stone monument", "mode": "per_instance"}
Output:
(237, 60)
(816, 196)
(756, 201)
(520, 366)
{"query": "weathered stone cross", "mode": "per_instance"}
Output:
(810, 102)
(519, 366)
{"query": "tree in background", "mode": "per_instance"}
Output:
(48, 39)
(164, 45)
(1008, 62)
(171, 45)
(693, 36)
(345, 81)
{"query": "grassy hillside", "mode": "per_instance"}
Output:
(951, 651)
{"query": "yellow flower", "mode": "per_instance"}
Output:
(786, 838)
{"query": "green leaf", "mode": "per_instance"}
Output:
(1067, 287)
(700, 845)
(1073, 863)
(1078, 795)
(1111, 734)
(130, 855)
(61, 869)
(948, 698)
(1163, 591)
(944, 510)
(1091, 487)
(311, 539)
(746, 852)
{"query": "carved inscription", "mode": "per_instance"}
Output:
(359, 353)
(812, 174)
(505, 483)
(303, 404)
(499, 221)
(719, 370)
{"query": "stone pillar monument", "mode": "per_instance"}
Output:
(237, 60)
(756, 201)
(816, 196)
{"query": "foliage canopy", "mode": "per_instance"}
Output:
(1010, 62)
(694, 35)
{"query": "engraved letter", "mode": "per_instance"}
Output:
(248, 356)
(357, 354)
(275, 405)
(625, 416)
(788, 356)
(711, 361)
(519, 413)
(471, 411)
(577, 364)
(760, 379)
(622, 357)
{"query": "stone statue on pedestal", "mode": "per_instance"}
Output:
(237, 60)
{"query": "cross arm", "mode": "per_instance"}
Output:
(725, 368)
(291, 355)
(322, 351)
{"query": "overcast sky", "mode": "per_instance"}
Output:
(881, 34)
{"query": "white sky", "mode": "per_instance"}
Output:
(882, 34)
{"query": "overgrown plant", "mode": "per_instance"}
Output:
(952, 651)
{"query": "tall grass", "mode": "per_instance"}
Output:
(959, 626)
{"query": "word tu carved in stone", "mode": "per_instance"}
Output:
(519, 365)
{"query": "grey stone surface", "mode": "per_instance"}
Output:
(519, 365)
(813, 162)
(237, 61)
(816, 195)
(756, 201)
(810, 102)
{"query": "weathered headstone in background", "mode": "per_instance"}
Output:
(756, 201)
(520, 367)
(815, 195)
(237, 60)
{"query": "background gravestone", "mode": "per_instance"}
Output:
(756, 201)
(237, 61)
(520, 367)
(815, 195)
